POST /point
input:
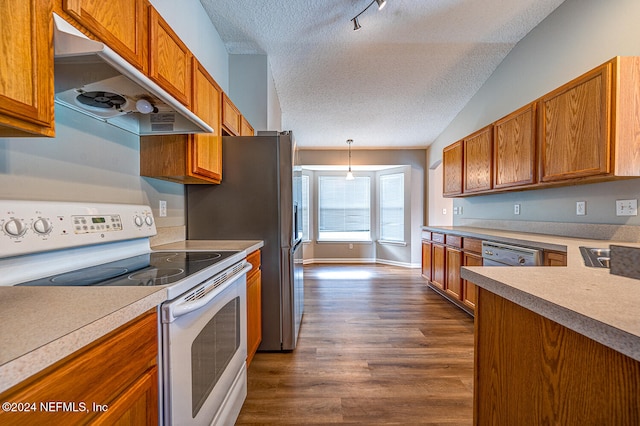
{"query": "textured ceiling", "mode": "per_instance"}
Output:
(398, 82)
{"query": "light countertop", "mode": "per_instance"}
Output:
(248, 246)
(590, 301)
(42, 325)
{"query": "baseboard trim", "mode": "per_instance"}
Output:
(361, 260)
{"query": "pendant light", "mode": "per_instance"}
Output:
(349, 174)
(356, 24)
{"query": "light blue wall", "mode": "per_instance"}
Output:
(252, 90)
(92, 161)
(576, 37)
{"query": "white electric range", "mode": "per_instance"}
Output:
(203, 322)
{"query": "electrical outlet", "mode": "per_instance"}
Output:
(626, 207)
(350, 246)
(163, 208)
(444, 211)
(581, 208)
(455, 210)
(516, 209)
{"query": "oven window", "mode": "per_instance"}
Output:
(212, 350)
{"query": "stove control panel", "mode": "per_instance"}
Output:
(36, 226)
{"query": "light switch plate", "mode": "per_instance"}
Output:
(581, 208)
(626, 207)
(516, 209)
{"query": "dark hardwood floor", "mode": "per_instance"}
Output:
(376, 346)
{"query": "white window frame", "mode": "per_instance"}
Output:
(386, 235)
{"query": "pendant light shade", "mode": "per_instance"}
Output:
(349, 174)
(356, 24)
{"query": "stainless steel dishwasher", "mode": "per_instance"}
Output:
(498, 254)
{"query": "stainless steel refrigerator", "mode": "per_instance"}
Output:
(260, 199)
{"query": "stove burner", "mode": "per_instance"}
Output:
(88, 276)
(104, 100)
(156, 276)
(193, 256)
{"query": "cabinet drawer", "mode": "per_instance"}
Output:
(438, 238)
(426, 235)
(453, 241)
(472, 245)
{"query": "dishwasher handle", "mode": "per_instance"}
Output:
(185, 307)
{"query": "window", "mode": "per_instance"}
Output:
(305, 208)
(392, 207)
(344, 208)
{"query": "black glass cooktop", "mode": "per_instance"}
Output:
(150, 269)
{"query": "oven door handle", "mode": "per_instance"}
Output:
(184, 308)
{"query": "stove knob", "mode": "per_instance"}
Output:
(42, 226)
(148, 220)
(521, 260)
(15, 228)
(138, 221)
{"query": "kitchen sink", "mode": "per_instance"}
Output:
(596, 257)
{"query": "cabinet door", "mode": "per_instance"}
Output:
(514, 148)
(468, 288)
(121, 24)
(575, 138)
(231, 117)
(477, 154)
(426, 259)
(246, 128)
(169, 59)
(118, 370)
(26, 68)
(452, 169)
(254, 314)
(138, 405)
(438, 264)
(206, 148)
(453, 280)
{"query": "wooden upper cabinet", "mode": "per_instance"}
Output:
(245, 128)
(169, 59)
(231, 117)
(514, 148)
(206, 148)
(452, 169)
(477, 155)
(121, 24)
(575, 139)
(26, 69)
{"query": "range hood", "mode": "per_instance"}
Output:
(94, 80)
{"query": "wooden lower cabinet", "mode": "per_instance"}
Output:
(438, 265)
(112, 381)
(453, 282)
(532, 371)
(553, 258)
(469, 288)
(426, 259)
(254, 305)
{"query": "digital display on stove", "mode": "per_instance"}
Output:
(98, 220)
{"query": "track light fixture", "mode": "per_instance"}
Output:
(349, 174)
(356, 24)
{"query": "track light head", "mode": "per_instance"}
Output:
(356, 24)
(381, 4)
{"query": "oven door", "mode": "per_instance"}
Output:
(204, 350)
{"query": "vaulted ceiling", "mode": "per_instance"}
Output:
(399, 81)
